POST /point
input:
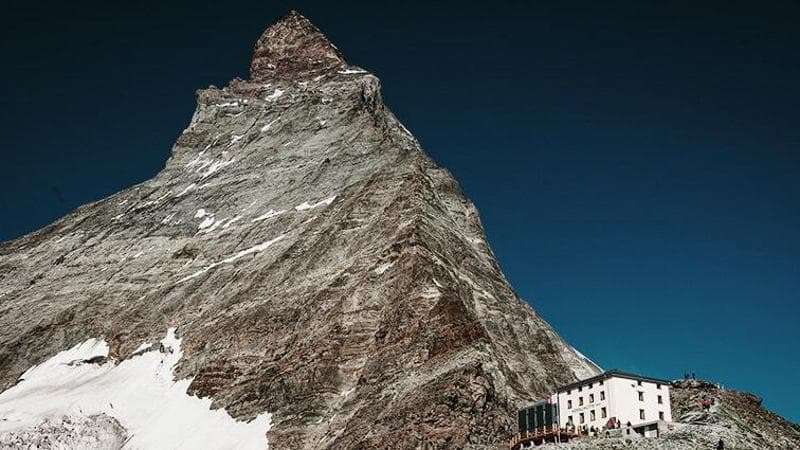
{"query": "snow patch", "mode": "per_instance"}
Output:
(269, 214)
(351, 71)
(405, 129)
(214, 227)
(431, 292)
(166, 220)
(275, 95)
(266, 127)
(308, 220)
(231, 222)
(207, 222)
(140, 393)
(582, 356)
(186, 190)
(214, 167)
(475, 240)
(383, 268)
(405, 224)
(254, 249)
(305, 205)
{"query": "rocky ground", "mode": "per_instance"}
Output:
(99, 432)
(735, 417)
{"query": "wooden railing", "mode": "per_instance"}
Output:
(552, 432)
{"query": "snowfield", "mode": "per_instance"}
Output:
(154, 410)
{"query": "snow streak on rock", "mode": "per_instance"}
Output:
(306, 205)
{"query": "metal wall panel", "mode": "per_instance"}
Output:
(537, 417)
(540, 422)
(531, 419)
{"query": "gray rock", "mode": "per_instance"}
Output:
(99, 432)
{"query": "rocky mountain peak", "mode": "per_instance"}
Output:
(293, 47)
(315, 274)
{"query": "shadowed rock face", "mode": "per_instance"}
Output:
(316, 262)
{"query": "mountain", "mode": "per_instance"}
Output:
(300, 274)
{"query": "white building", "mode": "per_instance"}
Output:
(641, 401)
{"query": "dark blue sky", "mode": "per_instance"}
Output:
(636, 164)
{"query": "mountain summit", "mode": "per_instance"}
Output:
(293, 47)
(306, 274)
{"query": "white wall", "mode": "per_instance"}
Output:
(626, 404)
(621, 401)
(589, 405)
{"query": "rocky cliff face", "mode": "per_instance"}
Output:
(315, 262)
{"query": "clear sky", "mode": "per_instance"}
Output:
(636, 165)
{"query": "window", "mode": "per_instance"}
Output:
(582, 418)
(660, 400)
(569, 420)
(658, 385)
(602, 395)
(591, 398)
(639, 382)
(580, 388)
(569, 391)
(641, 396)
(580, 401)
(600, 382)
(590, 385)
(661, 415)
(641, 414)
(569, 404)
(591, 415)
(603, 412)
